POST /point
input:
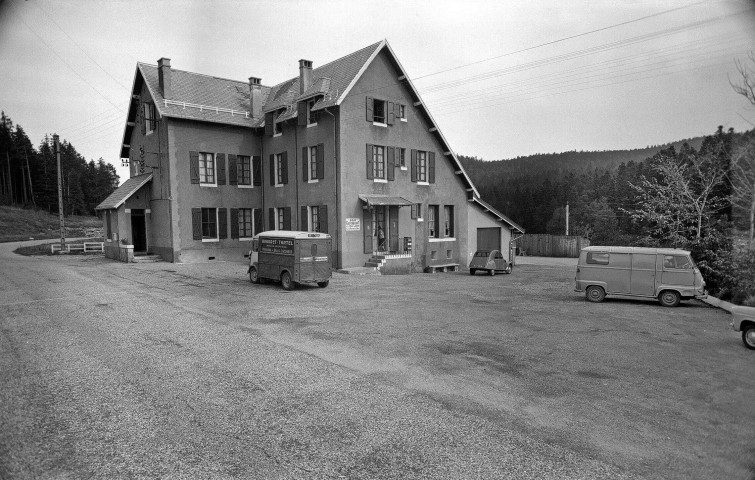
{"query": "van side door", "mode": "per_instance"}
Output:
(643, 274)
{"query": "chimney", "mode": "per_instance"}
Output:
(255, 97)
(305, 75)
(163, 69)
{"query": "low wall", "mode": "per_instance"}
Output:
(120, 252)
(398, 266)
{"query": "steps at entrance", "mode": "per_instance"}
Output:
(147, 258)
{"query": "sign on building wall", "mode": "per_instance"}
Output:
(352, 225)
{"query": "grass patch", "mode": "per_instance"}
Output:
(19, 224)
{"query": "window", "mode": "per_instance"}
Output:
(314, 219)
(281, 218)
(448, 218)
(401, 153)
(312, 162)
(279, 169)
(277, 128)
(312, 117)
(378, 161)
(432, 221)
(421, 166)
(417, 211)
(149, 118)
(244, 170)
(245, 223)
(597, 258)
(677, 261)
(209, 224)
(378, 111)
(206, 168)
(401, 112)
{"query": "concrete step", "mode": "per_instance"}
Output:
(147, 258)
(371, 264)
(360, 271)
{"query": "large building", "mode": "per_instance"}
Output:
(347, 148)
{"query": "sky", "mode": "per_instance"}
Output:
(501, 78)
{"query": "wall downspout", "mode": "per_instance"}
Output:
(297, 226)
(339, 245)
(262, 180)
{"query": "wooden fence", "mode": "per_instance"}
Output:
(551, 245)
(86, 247)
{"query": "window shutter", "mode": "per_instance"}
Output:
(286, 218)
(234, 223)
(322, 214)
(302, 113)
(257, 216)
(390, 115)
(194, 166)
(321, 161)
(196, 223)
(272, 169)
(419, 210)
(269, 124)
(414, 165)
(304, 165)
(414, 210)
(303, 219)
(144, 119)
(370, 167)
(257, 170)
(271, 220)
(222, 223)
(431, 166)
(391, 163)
(370, 106)
(397, 110)
(284, 167)
(233, 169)
(220, 162)
(367, 223)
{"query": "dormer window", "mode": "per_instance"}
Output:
(312, 117)
(277, 128)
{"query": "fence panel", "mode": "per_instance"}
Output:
(539, 245)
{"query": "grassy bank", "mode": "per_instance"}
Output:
(17, 224)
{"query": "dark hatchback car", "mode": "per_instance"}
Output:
(491, 261)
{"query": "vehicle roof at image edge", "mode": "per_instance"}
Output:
(664, 251)
(291, 234)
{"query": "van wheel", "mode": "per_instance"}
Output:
(323, 284)
(492, 272)
(253, 276)
(472, 271)
(286, 281)
(595, 294)
(669, 298)
(748, 336)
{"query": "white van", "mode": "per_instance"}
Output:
(667, 274)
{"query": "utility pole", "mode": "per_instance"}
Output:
(10, 180)
(567, 219)
(28, 171)
(60, 197)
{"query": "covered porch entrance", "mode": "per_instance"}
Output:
(390, 252)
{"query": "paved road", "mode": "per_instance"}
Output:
(110, 370)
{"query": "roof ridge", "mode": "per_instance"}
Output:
(201, 74)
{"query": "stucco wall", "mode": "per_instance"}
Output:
(479, 219)
(380, 81)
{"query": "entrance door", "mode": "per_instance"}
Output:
(138, 230)
(393, 229)
(489, 238)
(367, 223)
(380, 231)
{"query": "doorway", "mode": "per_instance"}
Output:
(138, 230)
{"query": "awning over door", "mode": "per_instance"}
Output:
(374, 199)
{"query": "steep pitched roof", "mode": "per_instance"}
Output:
(124, 192)
(492, 211)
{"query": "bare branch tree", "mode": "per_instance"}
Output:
(747, 86)
(743, 181)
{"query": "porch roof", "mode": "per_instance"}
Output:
(124, 192)
(376, 199)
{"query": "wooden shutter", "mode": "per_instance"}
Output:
(431, 166)
(234, 223)
(321, 161)
(414, 210)
(301, 108)
(257, 170)
(269, 129)
(414, 165)
(367, 222)
(271, 220)
(144, 119)
(257, 216)
(284, 167)
(194, 166)
(391, 163)
(272, 169)
(370, 167)
(196, 223)
(369, 109)
(222, 223)
(233, 169)
(304, 165)
(286, 218)
(220, 163)
(390, 114)
(303, 219)
(322, 214)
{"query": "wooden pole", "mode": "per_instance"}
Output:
(60, 197)
(10, 179)
(28, 171)
(567, 219)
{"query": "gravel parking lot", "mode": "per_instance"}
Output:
(185, 371)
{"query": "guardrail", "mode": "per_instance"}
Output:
(86, 247)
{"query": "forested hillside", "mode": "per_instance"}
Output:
(28, 176)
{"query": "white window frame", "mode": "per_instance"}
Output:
(310, 104)
(278, 170)
(402, 112)
(310, 218)
(384, 123)
(312, 164)
(149, 118)
(375, 177)
(251, 224)
(422, 168)
(203, 160)
(251, 173)
(280, 218)
(448, 225)
(216, 238)
(401, 158)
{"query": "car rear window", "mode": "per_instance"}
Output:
(481, 253)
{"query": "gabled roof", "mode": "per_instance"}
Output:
(124, 192)
(495, 213)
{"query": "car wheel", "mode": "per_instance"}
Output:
(472, 271)
(669, 298)
(323, 284)
(748, 336)
(286, 281)
(595, 294)
(253, 276)
(492, 272)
